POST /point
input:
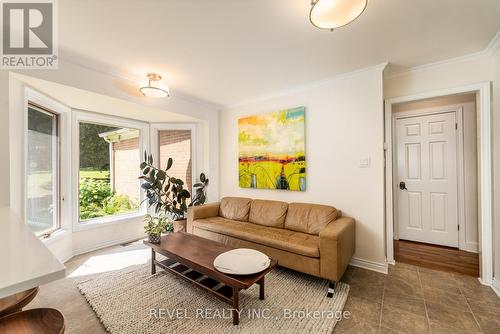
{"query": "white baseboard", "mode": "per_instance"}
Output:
(472, 247)
(380, 267)
(101, 245)
(495, 285)
(66, 258)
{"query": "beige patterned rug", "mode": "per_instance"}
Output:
(130, 300)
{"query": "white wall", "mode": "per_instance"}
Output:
(344, 123)
(4, 139)
(88, 94)
(468, 104)
(439, 76)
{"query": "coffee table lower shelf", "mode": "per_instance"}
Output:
(224, 292)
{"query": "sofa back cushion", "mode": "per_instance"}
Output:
(235, 208)
(309, 218)
(268, 213)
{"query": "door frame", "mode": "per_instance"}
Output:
(458, 110)
(485, 222)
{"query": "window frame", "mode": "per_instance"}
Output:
(62, 112)
(155, 145)
(102, 119)
(57, 164)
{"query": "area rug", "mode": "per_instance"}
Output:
(131, 300)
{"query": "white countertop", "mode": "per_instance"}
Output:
(25, 262)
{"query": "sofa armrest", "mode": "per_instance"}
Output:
(200, 212)
(336, 247)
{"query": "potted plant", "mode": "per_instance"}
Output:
(166, 194)
(155, 226)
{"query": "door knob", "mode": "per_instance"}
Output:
(402, 185)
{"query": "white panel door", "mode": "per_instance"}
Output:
(427, 179)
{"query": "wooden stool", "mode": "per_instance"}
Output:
(34, 321)
(16, 302)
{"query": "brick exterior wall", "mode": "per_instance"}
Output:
(176, 144)
(126, 168)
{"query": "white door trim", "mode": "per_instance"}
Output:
(458, 110)
(485, 171)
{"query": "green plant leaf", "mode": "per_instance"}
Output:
(169, 163)
(202, 177)
(161, 175)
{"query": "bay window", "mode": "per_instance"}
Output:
(109, 153)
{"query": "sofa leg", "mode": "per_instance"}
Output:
(331, 289)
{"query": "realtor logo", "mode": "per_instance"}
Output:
(28, 34)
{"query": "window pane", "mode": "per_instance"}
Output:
(176, 144)
(109, 170)
(42, 208)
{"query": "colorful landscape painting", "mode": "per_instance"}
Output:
(272, 150)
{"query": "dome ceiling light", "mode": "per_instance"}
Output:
(332, 14)
(153, 91)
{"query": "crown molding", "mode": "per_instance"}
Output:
(494, 45)
(305, 87)
(487, 52)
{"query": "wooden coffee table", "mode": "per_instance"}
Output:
(191, 257)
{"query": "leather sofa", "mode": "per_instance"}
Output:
(310, 238)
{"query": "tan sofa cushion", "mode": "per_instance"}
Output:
(268, 213)
(309, 218)
(291, 241)
(236, 208)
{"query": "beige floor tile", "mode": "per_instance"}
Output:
(411, 305)
(442, 317)
(401, 320)
(399, 287)
(408, 274)
(385, 330)
(448, 298)
(363, 276)
(487, 315)
(355, 326)
(367, 291)
(363, 309)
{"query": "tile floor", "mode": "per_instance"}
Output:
(413, 299)
(409, 299)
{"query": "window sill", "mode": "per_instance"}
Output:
(54, 236)
(107, 221)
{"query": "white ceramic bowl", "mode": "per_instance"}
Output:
(242, 261)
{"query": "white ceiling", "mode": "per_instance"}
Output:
(229, 51)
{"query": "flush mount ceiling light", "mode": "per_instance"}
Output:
(332, 14)
(153, 91)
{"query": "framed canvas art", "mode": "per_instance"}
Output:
(272, 150)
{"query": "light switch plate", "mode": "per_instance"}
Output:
(364, 163)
